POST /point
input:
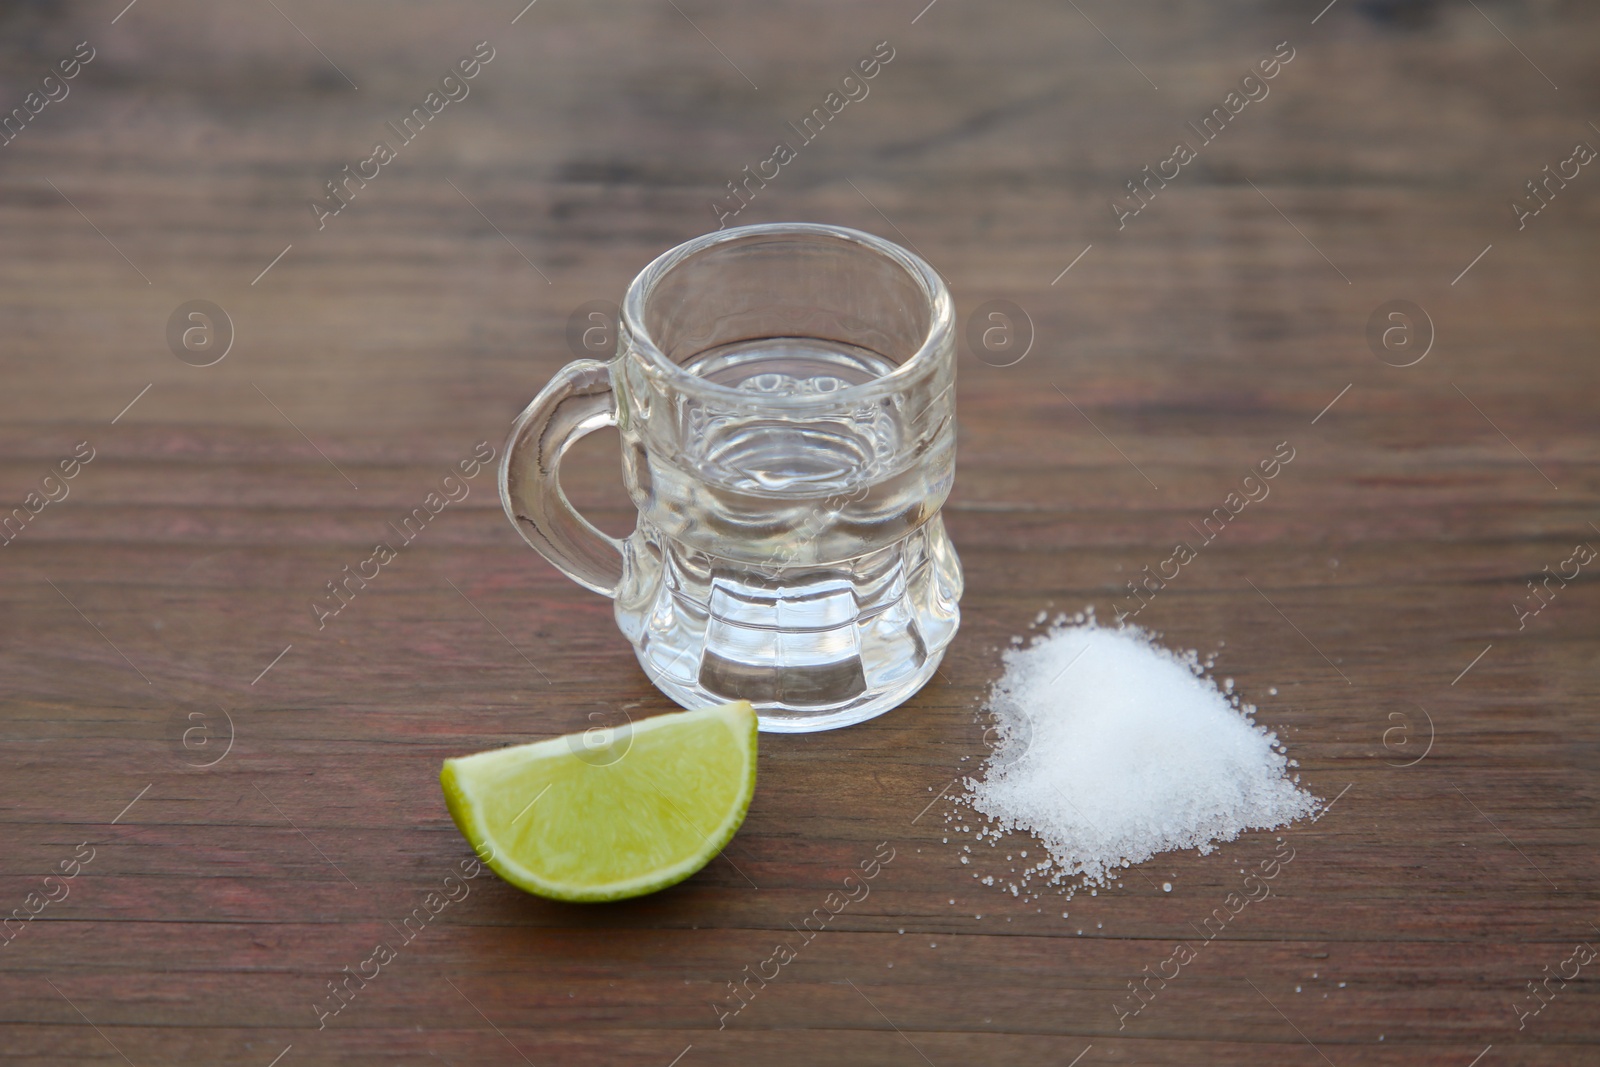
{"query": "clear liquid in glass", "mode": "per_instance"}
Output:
(798, 564)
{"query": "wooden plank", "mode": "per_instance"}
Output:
(173, 585)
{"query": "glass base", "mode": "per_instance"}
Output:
(778, 719)
(811, 646)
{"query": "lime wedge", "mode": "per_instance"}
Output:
(610, 813)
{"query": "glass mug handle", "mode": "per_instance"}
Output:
(577, 401)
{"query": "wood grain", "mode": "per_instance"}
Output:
(1220, 321)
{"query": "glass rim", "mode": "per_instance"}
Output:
(941, 315)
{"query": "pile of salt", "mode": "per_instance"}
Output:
(1112, 749)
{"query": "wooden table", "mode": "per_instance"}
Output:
(248, 803)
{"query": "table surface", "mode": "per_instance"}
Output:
(248, 804)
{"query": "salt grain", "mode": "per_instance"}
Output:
(1113, 748)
